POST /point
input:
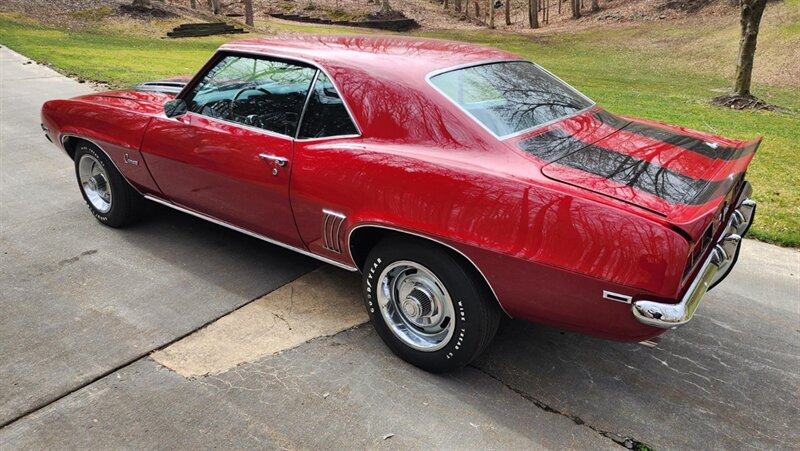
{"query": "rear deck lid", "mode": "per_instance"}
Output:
(668, 170)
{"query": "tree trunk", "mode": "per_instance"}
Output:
(457, 4)
(491, 13)
(477, 10)
(546, 12)
(533, 13)
(385, 6)
(752, 10)
(576, 8)
(508, 12)
(248, 12)
(194, 4)
(215, 6)
(446, 5)
(595, 6)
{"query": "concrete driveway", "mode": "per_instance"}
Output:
(180, 334)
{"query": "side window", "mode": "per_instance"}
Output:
(257, 92)
(325, 114)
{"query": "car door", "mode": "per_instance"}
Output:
(230, 155)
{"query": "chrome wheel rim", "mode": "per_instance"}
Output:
(416, 306)
(94, 183)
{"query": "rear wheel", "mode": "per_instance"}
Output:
(110, 198)
(427, 305)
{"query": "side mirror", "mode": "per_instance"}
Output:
(175, 107)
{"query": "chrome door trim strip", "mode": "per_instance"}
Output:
(247, 232)
(379, 226)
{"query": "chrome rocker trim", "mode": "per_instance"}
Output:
(716, 267)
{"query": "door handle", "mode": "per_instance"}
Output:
(280, 161)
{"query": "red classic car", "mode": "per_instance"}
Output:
(465, 183)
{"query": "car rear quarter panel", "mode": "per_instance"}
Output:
(548, 255)
(117, 125)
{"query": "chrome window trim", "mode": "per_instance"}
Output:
(66, 136)
(380, 226)
(305, 104)
(323, 138)
(211, 219)
(432, 74)
(254, 50)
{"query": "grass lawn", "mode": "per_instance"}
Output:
(654, 81)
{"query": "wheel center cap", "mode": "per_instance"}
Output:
(97, 183)
(411, 307)
(417, 304)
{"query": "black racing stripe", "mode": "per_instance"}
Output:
(687, 142)
(610, 119)
(552, 144)
(636, 173)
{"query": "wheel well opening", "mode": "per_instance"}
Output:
(69, 143)
(363, 239)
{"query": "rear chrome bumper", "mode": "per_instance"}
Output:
(716, 267)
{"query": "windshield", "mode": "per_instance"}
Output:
(510, 97)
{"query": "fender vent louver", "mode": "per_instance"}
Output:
(331, 228)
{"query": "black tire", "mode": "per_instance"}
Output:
(126, 204)
(476, 317)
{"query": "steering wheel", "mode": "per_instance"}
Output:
(242, 91)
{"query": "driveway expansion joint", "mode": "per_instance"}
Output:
(624, 441)
(119, 367)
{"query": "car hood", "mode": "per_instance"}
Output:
(147, 98)
(678, 173)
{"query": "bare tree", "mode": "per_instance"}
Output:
(457, 4)
(215, 6)
(446, 5)
(752, 10)
(508, 12)
(533, 13)
(595, 6)
(491, 13)
(477, 10)
(575, 5)
(194, 4)
(385, 6)
(248, 13)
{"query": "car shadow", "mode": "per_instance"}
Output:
(238, 263)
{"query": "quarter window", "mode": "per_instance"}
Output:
(260, 93)
(325, 114)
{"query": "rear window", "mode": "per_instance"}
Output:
(510, 97)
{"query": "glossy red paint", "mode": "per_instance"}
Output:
(548, 238)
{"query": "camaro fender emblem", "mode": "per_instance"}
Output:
(127, 160)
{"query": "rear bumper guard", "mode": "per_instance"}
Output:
(716, 267)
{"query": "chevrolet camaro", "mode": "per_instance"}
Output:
(465, 183)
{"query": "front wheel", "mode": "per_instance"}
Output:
(110, 197)
(428, 306)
